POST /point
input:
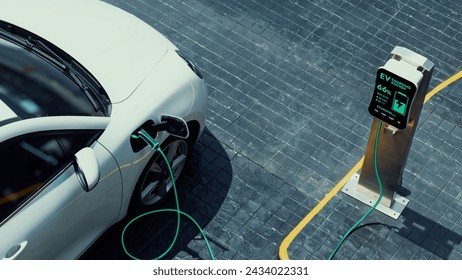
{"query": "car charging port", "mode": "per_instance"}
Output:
(173, 125)
(137, 143)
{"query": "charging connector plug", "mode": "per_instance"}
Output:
(155, 145)
(142, 134)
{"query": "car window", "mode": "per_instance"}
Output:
(33, 88)
(29, 162)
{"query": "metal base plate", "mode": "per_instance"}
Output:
(397, 206)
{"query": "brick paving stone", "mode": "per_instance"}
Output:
(289, 86)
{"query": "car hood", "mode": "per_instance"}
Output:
(116, 47)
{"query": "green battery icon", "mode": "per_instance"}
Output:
(400, 103)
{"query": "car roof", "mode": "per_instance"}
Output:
(115, 46)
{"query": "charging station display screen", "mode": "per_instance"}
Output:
(392, 98)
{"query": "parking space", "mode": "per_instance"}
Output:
(289, 86)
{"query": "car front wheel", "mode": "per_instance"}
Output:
(155, 182)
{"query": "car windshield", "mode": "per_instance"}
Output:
(32, 87)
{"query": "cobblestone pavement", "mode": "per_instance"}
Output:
(289, 84)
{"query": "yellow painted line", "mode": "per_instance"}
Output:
(442, 86)
(283, 253)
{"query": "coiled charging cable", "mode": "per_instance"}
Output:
(142, 134)
(376, 145)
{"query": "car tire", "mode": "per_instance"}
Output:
(155, 181)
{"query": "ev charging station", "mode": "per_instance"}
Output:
(399, 94)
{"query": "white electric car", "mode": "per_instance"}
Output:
(78, 78)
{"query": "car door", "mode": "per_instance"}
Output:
(45, 213)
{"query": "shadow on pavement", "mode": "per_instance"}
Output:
(428, 234)
(201, 193)
(432, 237)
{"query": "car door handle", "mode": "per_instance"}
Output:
(15, 251)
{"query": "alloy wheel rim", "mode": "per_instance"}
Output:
(157, 181)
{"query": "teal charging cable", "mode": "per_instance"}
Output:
(376, 145)
(142, 134)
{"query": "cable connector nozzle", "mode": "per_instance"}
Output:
(142, 134)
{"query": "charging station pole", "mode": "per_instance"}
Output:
(398, 98)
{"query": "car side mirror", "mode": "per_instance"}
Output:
(175, 126)
(87, 168)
